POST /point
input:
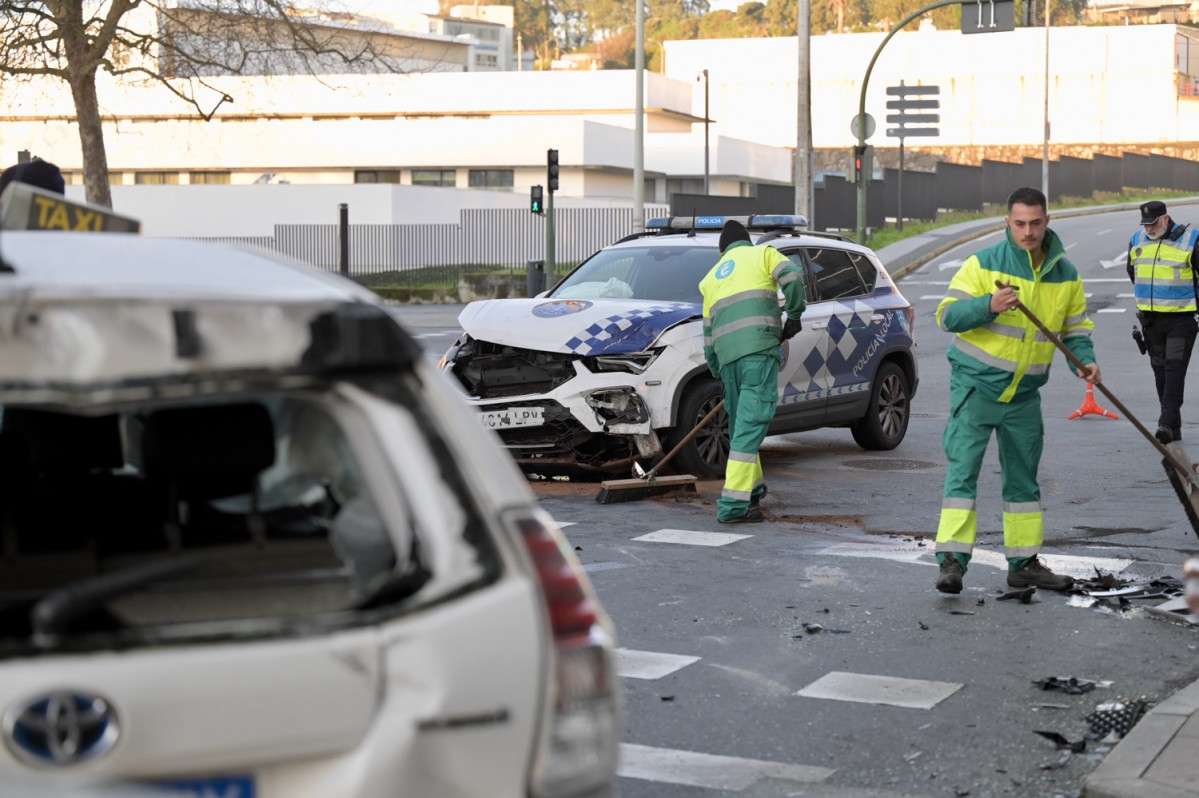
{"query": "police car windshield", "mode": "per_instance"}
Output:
(664, 274)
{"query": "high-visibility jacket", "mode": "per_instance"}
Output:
(1162, 270)
(1004, 355)
(741, 307)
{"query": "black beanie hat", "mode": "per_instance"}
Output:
(37, 172)
(733, 232)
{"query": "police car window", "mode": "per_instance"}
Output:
(668, 274)
(809, 288)
(834, 274)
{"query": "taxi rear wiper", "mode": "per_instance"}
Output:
(54, 613)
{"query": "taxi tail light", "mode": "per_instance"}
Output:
(578, 749)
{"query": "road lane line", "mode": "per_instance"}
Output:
(708, 770)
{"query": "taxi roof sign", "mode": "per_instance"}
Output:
(26, 207)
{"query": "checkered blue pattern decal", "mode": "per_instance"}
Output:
(632, 330)
(849, 363)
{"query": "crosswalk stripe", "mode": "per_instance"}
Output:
(865, 688)
(632, 664)
(708, 770)
(914, 553)
(689, 537)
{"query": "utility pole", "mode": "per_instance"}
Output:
(707, 183)
(639, 125)
(1045, 139)
(803, 114)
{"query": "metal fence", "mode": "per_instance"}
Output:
(495, 239)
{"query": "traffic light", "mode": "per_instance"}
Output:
(551, 162)
(863, 163)
(536, 198)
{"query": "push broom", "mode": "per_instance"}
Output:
(1178, 466)
(615, 491)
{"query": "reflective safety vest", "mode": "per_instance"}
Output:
(741, 304)
(1004, 355)
(1163, 273)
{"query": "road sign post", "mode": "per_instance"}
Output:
(913, 104)
(861, 139)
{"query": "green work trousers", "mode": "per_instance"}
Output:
(1019, 431)
(751, 393)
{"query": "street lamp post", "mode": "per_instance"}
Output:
(704, 76)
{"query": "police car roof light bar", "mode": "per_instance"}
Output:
(770, 221)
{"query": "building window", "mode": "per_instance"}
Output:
(434, 177)
(156, 178)
(209, 178)
(377, 176)
(491, 178)
(486, 61)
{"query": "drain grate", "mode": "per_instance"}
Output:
(889, 465)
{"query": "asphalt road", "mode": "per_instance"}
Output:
(813, 657)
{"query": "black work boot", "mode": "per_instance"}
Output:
(949, 580)
(1035, 574)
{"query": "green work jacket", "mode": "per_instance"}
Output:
(741, 305)
(1004, 355)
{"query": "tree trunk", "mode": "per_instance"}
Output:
(91, 141)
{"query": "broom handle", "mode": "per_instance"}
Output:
(1182, 468)
(653, 472)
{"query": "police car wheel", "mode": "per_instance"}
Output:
(706, 454)
(886, 421)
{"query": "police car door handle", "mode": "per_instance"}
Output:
(878, 317)
(819, 325)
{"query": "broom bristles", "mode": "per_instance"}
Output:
(631, 490)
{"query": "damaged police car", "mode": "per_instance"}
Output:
(607, 369)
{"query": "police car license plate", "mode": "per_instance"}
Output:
(513, 417)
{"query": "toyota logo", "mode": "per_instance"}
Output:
(61, 728)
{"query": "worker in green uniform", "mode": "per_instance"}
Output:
(998, 362)
(743, 328)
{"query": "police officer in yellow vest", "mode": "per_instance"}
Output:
(1162, 257)
(998, 362)
(742, 332)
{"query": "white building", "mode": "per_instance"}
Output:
(1130, 87)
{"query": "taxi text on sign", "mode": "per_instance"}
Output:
(26, 207)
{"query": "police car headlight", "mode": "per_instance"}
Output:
(635, 363)
(619, 406)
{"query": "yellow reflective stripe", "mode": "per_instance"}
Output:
(1023, 530)
(1018, 508)
(978, 353)
(740, 296)
(788, 278)
(958, 503)
(740, 478)
(1006, 330)
(743, 457)
(1076, 319)
(956, 530)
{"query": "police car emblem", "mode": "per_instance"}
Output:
(552, 310)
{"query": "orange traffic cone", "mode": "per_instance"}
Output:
(1090, 408)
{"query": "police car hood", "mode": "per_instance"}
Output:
(581, 326)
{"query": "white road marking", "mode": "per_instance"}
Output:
(649, 664)
(902, 551)
(1120, 259)
(893, 691)
(1112, 310)
(1126, 296)
(1104, 232)
(933, 296)
(564, 524)
(605, 566)
(949, 264)
(708, 770)
(690, 538)
(1071, 246)
(925, 282)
